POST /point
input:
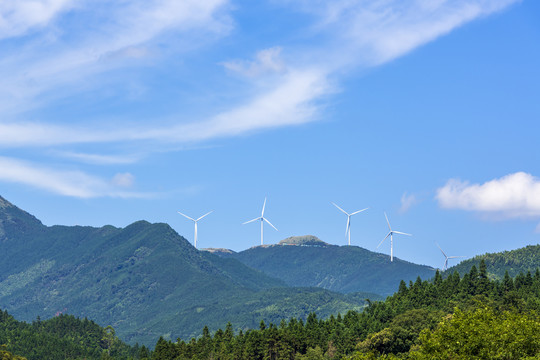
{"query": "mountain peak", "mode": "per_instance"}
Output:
(218, 250)
(305, 240)
(15, 222)
(4, 204)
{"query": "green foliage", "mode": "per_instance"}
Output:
(338, 268)
(62, 337)
(6, 355)
(482, 333)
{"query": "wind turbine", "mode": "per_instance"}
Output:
(447, 257)
(195, 221)
(391, 233)
(262, 219)
(348, 228)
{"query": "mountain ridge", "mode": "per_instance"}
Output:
(344, 269)
(145, 280)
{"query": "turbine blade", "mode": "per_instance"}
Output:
(455, 257)
(269, 223)
(208, 213)
(346, 213)
(388, 222)
(264, 205)
(184, 215)
(247, 222)
(402, 233)
(384, 239)
(441, 250)
(359, 211)
(348, 224)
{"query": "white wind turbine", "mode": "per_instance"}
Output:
(447, 257)
(262, 219)
(391, 233)
(195, 221)
(348, 228)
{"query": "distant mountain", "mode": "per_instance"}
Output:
(513, 261)
(308, 261)
(145, 280)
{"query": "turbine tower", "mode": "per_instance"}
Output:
(348, 228)
(391, 233)
(262, 219)
(447, 257)
(195, 221)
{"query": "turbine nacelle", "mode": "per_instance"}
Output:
(348, 226)
(262, 219)
(195, 221)
(391, 235)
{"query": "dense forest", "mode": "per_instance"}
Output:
(448, 317)
(469, 317)
(62, 337)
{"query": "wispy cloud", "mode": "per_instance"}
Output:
(378, 31)
(97, 159)
(514, 195)
(266, 61)
(291, 102)
(407, 201)
(121, 31)
(67, 183)
(18, 17)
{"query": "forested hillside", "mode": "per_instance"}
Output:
(469, 317)
(145, 280)
(308, 261)
(63, 337)
(513, 261)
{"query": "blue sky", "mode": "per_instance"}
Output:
(113, 112)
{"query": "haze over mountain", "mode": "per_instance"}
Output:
(145, 280)
(309, 261)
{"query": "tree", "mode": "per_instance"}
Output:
(482, 333)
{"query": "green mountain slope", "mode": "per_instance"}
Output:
(514, 261)
(145, 280)
(308, 261)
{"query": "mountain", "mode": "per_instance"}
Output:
(145, 280)
(514, 261)
(308, 261)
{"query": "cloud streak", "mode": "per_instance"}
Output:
(512, 196)
(68, 183)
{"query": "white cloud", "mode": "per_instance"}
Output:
(290, 102)
(18, 17)
(514, 195)
(266, 61)
(407, 201)
(67, 183)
